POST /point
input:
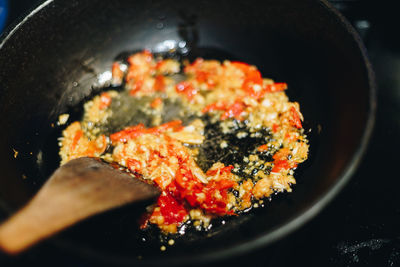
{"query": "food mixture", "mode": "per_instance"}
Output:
(216, 137)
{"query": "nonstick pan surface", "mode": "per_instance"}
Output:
(52, 60)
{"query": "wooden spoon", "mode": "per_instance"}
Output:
(78, 189)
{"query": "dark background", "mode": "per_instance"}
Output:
(361, 226)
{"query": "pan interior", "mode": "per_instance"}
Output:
(52, 62)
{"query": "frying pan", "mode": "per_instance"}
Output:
(52, 60)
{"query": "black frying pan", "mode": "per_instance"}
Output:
(51, 60)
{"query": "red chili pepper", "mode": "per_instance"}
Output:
(202, 75)
(187, 89)
(224, 184)
(77, 136)
(252, 78)
(241, 65)
(159, 83)
(134, 165)
(127, 133)
(275, 87)
(210, 107)
(295, 118)
(205, 77)
(275, 128)
(250, 72)
(180, 179)
(140, 67)
(194, 66)
(116, 72)
(175, 125)
(226, 169)
(137, 130)
(160, 64)
(283, 164)
(234, 111)
(216, 197)
(214, 106)
(291, 136)
(186, 186)
(171, 209)
(144, 220)
(146, 54)
(136, 86)
(105, 100)
(279, 165)
(263, 148)
(282, 154)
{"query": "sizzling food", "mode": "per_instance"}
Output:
(216, 137)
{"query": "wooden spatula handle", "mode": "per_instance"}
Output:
(42, 217)
(77, 190)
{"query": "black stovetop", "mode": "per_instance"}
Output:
(361, 226)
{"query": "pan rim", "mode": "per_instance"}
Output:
(280, 231)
